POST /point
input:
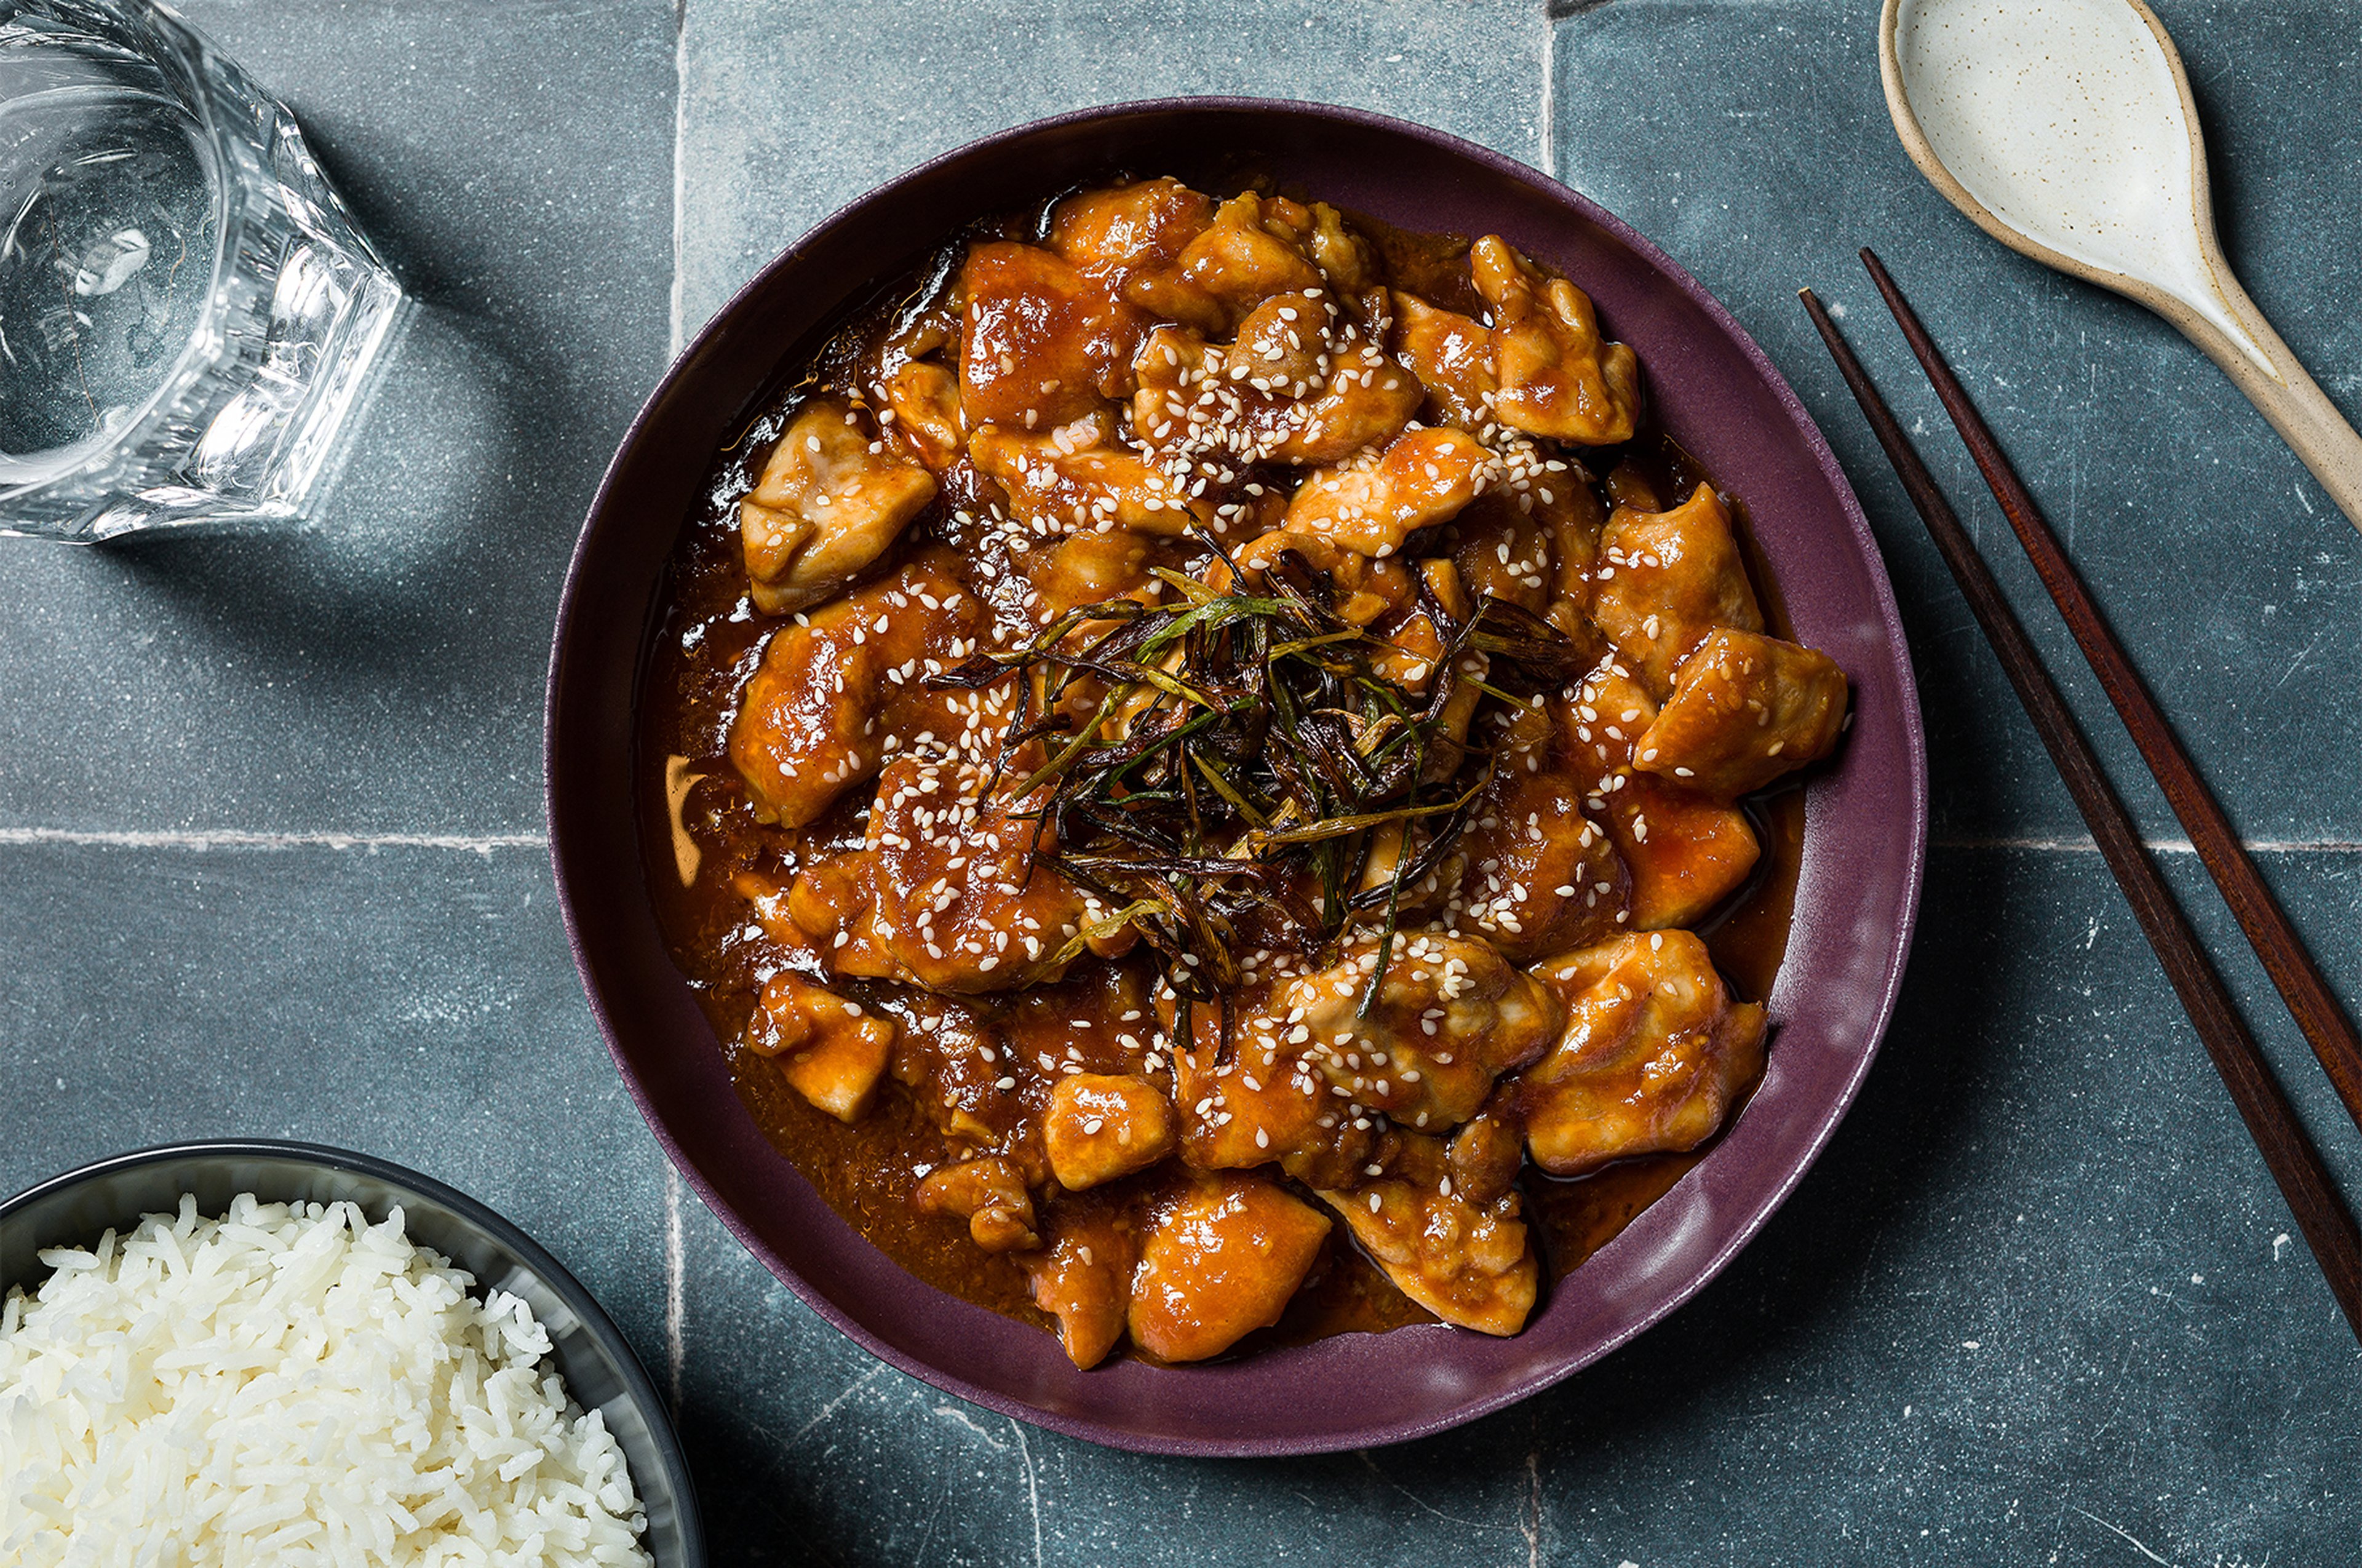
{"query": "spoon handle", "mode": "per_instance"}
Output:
(2290, 400)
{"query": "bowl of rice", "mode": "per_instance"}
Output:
(267, 1352)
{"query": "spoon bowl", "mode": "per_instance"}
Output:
(2065, 129)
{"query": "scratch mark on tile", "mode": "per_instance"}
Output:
(1372, 1464)
(675, 1289)
(849, 1390)
(1033, 1486)
(959, 1416)
(2158, 846)
(2292, 668)
(2138, 1545)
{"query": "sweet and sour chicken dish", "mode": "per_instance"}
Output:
(1190, 760)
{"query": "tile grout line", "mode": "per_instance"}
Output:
(1550, 91)
(235, 838)
(679, 182)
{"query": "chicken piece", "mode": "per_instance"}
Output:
(835, 690)
(1124, 229)
(1222, 1260)
(928, 421)
(830, 501)
(1101, 1126)
(1235, 265)
(1746, 708)
(1084, 1279)
(1571, 512)
(1486, 1152)
(1073, 479)
(964, 1076)
(1374, 505)
(1469, 1263)
(944, 893)
(1342, 256)
(1685, 854)
(1364, 589)
(1041, 344)
(1665, 580)
(1540, 877)
(1451, 355)
(1504, 553)
(1261, 1103)
(1557, 378)
(1367, 399)
(990, 1195)
(1282, 346)
(828, 1048)
(1091, 569)
(1654, 1052)
(1449, 1017)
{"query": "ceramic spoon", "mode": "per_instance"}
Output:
(2064, 127)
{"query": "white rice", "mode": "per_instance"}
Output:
(292, 1385)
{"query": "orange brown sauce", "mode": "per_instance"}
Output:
(699, 834)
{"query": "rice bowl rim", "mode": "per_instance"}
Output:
(675, 1535)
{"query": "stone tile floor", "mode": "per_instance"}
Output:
(270, 840)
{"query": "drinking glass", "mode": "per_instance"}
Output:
(188, 317)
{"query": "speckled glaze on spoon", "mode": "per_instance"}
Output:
(2065, 129)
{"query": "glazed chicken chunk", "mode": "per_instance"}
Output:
(1083, 1278)
(832, 1051)
(1451, 355)
(1374, 505)
(990, 1195)
(1538, 875)
(1221, 1261)
(1653, 1053)
(1685, 853)
(1124, 229)
(944, 893)
(1042, 344)
(1666, 579)
(831, 500)
(1746, 709)
(1557, 378)
(1101, 1126)
(1077, 479)
(839, 688)
(1450, 1016)
(1468, 1262)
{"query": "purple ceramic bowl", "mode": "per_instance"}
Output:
(1865, 818)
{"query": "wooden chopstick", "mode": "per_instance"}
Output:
(2295, 1165)
(2310, 1001)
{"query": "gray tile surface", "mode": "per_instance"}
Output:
(384, 671)
(415, 1003)
(881, 87)
(366, 950)
(1763, 156)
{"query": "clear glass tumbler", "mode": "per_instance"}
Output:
(188, 316)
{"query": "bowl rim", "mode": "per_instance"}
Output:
(637, 1385)
(1889, 624)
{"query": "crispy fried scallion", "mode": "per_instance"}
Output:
(1242, 748)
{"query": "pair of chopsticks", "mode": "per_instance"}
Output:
(2321, 1212)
